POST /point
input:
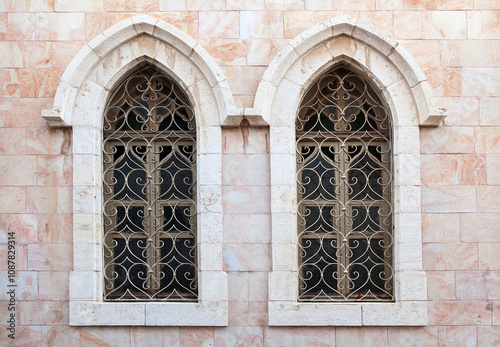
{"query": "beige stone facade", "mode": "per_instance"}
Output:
(245, 66)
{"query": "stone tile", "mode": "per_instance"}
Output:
(60, 26)
(361, 336)
(484, 25)
(475, 53)
(13, 6)
(252, 313)
(451, 169)
(9, 117)
(55, 170)
(21, 26)
(444, 25)
(26, 281)
(245, 257)
(408, 25)
(489, 113)
(202, 5)
(95, 23)
(155, 336)
(318, 5)
(447, 140)
(47, 257)
(53, 285)
(23, 225)
(197, 336)
(11, 55)
(226, 51)
(461, 312)
(493, 169)
(442, 199)
(244, 169)
(247, 286)
(488, 256)
(444, 81)
(48, 141)
(487, 140)
(21, 256)
(250, 140)
(246, 199)
(185, 21)
(488, 198)
(49, 199)
(55, 228)
(263, 51)
(243, 5)
(261, 24)
(389, 4)
(60, 336)
(459, 4)
(12, 199)
(25, 336)
(488, 336)
(18, 170)
(461, 110)
(105, 336)
(440, 227)
(214, 24)
(407, 336)
(441, 285)
(40, 5)
(43, 313)
(4, 23)
(424, 4)
(299, 336)
(246, 228)
(486, 5)
(285, 5)
(496, 312)
(129, 5)
(480, 227)
(244, 336)
(450, 256)
(243, 79)
(383, 20)
(12, 140)
(480, 81)
(82, 6)
(457, 336)
(295, 22)
(426, 52)
(39, 83)
(63, 52)
(172, 5)
(37, 55)
(474, 285)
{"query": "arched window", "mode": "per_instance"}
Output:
(149, 191)
(344, 188)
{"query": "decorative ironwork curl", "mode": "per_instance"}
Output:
(149, 191)
(344, 187)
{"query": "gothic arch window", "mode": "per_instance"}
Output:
(344, 191)
(149, 191)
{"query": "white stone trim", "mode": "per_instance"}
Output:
(79, 102)
(395, 74)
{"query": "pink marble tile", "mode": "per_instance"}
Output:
(480, 227)
(39, 83)
(244, 5)
(263, 51)
(23, 225)
(63, 52)
(487, 140)
(95, 23)
(239, 336)
(247, 286)
(444, 25)
(38, 55)
(318, 5)
(252, 313)
(460, 4)
(173, 5)
(60, 336)
(18, 170)
(488, 336)
(424, 4)
(484, 81)
(27, 282)
(285, 5)
(361, 336)
(493, 169)
(461, 312)
(21, 26)
(236, 169)
(4, 23)
(80, 6)
(461, 110)
(13, 5)
(49, 199)
(48, 141)
(219, 24)
(412, 336)
(299, 336)
(457, 336)
(55, 170)
(40, 5)
(246, 199)
(444, 82)
(441, 285)
(449, 199)
(105, 336)
(243, 79)
(408, 25)
(449, 169)
(244, 101)
(185, 21)
(295, 22)
(478, 285)
(496, 312)
(9, 117)
(245, 140)
(43, 313)
(11, 55)
(427, 53)
(197, 336)
(450, 256)
(488, 198)
(47, 257)
(25, 336)
(383, 20)
(486, 5)
(226, 51)
(60, 26)
(488, 114)
(459, 53)
(440, 227)
(55, 228)
(261, 24)
(131, 5)
(12, 140)
(447, 140)
(53, 285)
(245, 257)
(488, 256)
(9, 83)
(483, 25)
(12, 199)
(202, 5)
(246, 228)
(21, 256)
(155, 336)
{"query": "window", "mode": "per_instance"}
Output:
(344, 185)
(149, 190)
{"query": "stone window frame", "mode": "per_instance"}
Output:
(79, 103)
(408, 95)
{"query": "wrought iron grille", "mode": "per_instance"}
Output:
(344, 181)
(149, 191)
